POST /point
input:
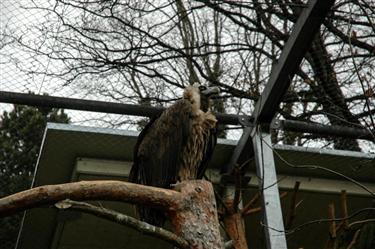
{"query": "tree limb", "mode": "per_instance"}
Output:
(361, 222)
(91, 190)
(126, 220)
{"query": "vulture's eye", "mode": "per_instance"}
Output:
(202, 88)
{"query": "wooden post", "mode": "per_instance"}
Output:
(331, 213)
(292, 208)
(233, 219)
(197, 221)
(235, 228)
(344, 208)
(331, 244)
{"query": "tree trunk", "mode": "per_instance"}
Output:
(328, 92)
(198, 221)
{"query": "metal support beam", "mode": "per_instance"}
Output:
(266, 172)
(294, 50)
(94, 106)
(149, 111)
(242, 151)
(324, 130)
(282, 73)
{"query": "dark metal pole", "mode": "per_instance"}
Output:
(94, 106)
(282, 73)
(148, 111)
(324, 130)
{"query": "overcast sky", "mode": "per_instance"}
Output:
(18, 19)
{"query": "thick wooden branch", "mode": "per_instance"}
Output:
(198, 224)
(126, 220)
(192, 208)
(91, 190)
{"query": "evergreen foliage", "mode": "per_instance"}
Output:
(21, 134)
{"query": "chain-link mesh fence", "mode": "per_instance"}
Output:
(146, 52)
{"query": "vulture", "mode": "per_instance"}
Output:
(175, 146)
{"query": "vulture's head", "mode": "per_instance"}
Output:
(199, 96)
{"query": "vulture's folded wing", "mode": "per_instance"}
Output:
(159, 149)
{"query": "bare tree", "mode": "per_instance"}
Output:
(135, 52)
(146, 51)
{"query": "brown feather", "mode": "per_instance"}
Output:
(174, 147)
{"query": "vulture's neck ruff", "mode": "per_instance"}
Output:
(192, 94)
(203, 122)
(199, 96)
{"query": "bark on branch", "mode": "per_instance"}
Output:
(191, 209)
(198, 224)
(91, 190)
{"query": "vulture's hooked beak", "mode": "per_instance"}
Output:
(213, 90)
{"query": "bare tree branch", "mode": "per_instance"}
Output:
(126, 220)
(91, 190)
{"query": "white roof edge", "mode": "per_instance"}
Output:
(325, 151)
(111, 131)
(90, 129)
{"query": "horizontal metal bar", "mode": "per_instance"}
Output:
(318, 185)
(308, 184)
(77, 104)
(324, 130)
(149, 111)
(94, 106)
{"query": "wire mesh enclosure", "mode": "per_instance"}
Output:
(144, 53)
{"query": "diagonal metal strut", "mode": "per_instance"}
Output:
(258, 138)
